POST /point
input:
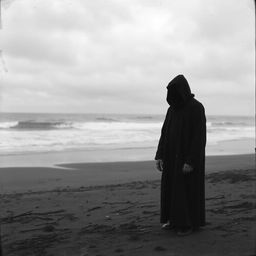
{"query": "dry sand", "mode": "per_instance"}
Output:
(113, 209)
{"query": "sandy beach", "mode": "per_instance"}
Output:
(113, 209)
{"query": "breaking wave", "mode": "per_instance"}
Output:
(105, 124)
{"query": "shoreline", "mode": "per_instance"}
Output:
(53, 158)
(24, 179)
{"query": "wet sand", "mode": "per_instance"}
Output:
(113, 209)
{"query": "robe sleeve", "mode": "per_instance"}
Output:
(161, 143)
(198, 136)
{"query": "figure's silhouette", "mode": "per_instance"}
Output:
(181, 158)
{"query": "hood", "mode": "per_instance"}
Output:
(178, 92)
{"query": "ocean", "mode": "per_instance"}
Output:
(24, 133)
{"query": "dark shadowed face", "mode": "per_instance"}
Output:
(174, 99)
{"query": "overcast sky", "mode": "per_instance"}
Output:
(117, 56)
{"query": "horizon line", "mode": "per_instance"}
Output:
(111, 113)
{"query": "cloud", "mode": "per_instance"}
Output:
(119, 55)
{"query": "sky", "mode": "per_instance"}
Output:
(117, 56)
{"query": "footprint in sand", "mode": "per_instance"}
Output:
(159, 248)
(134, 238)
(119, 250)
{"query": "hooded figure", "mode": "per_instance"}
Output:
(181, 158)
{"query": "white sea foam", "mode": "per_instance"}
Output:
(35, 133)
(7, 125)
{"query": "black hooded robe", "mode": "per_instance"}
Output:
(183, 140)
